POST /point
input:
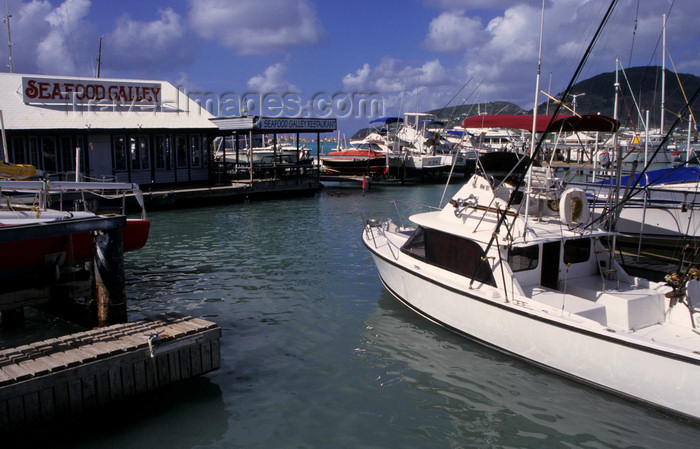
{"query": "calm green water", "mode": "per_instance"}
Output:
(316, 354)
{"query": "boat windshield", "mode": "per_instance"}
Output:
(450, 252)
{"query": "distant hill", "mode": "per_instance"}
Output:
(645, 84)
(599, 97)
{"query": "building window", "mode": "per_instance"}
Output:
(577, 250)
(196, 150)
(181, 151)
(48, 150)
(139, 153)
(206, 150)
(163, 157)
(523, 258)
(34, 158)
(18, 155)
(120, 157)
(67, 154)
(450, 252)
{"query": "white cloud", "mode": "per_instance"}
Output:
(162, 43)
(427, 86)
(272, 80)
(452, 32)
(57, 37)
(253, 27)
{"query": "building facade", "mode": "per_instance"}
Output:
(139, 131)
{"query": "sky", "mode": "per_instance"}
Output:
(354, 60)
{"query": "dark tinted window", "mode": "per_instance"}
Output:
(450, 252)
(577, 251)
(523, 258)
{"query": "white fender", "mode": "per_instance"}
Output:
(573, 207)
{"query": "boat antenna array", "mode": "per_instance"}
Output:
(535, 153)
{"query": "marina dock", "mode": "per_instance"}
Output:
(234, 192)
(67, 376)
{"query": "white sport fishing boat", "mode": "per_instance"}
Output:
(532, 280)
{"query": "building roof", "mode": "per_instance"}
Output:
(39, 102)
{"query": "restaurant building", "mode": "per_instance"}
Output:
(138, 131)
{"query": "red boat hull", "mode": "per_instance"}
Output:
(27, 256)
(355, 162)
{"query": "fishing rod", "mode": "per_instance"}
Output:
(529, 161)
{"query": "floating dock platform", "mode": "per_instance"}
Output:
(234, 192)
(67, 376)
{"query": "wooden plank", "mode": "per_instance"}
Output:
(215, 354)
(140, 382)
(61, 399)
(163, 368)
(17, 372)
(128, 379)
(36, 367)
(15, 411)
(32, 409)
(195, 360)
(174, 366)
(75, 396)
(50, 363)
(185, 366)
(89, 392)
(4, 416)
(205, 349)
(115, 383)
(151, 374)
(47, 405)
(203, 324)
(102, 387)
(5, 378)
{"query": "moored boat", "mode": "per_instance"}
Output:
(527, 275)
(45, 238)
(365, 159)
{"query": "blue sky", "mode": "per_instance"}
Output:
(408, 55)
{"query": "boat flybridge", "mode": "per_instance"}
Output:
(531, 276)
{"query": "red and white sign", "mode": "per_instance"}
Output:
(80, 91)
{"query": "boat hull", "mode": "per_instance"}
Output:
(586, 352)
(374, 166)
(35, 255)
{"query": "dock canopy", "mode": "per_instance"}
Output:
(588, 122)
(386, 120)
(273, 125)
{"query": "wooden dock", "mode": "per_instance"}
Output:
(233, 192)
(67, 376)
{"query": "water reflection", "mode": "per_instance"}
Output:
(183, 415)
(477, 397)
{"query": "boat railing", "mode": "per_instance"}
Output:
(382, 229)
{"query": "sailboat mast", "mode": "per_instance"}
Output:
(9, 37)
(534, 118)
(663, 75)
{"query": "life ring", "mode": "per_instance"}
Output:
(573, 207)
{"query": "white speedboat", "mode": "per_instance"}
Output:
(662, 212)
(530, 279)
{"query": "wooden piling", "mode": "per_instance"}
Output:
(109, 277)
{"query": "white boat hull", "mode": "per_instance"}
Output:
(563, 343)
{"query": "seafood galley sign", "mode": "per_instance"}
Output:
(292, 124)
(80, 91)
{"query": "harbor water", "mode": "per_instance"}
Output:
(315, 353)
